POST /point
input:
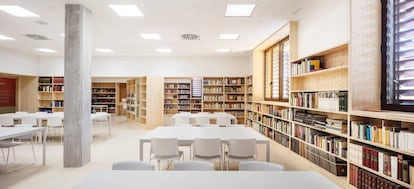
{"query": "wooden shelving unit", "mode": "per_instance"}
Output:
(50, 94)
(177, 95)
(248, 100)
(213, 94)
(104, 97)
(143, 100)
(132, 99)
(235, 97)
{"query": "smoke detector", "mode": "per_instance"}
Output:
(36, 37)
(190, 36)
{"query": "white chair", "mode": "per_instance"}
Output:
(6, 121)
(102, 120)
(194, 166)
(223, 121)
(164, 149)
(202, 120)
(241, 149)
(9, 145)
(182, 120)
(132, 165)
(55, 123)
(259, 166)
(21, 113)
(208, 149)
(30, 121)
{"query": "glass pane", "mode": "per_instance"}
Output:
(268, 73)
(275, 73)
(286, 71)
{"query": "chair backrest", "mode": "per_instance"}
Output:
(6, 121)
(182, 125)
(184, 113)
(220, 113)
(207, 147)
(132, 165)
(242, 147)
(21, 113)
(29, 120)
(164, 146)
(223, 120)
(181, 119)
(259, 166)
(202, 113)
(54, 121)
(40, 113)
(193, 166)
(202, 120)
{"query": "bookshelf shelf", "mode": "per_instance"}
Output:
(335, 69)
(384, 176)
(319, 110)
(323, 130)
(104, 94)
(50, 93)
(330, 153)
(385, 147)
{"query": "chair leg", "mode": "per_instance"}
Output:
(227, 164)
(7, 158)
(34, 155)
(159, 165)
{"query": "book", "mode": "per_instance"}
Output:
(394, 167)
(411, 174)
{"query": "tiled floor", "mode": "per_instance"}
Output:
(122, 145)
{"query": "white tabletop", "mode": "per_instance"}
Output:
(45, 116)
(10, 132)
(205, 180)
(190, 133)
(209, 115)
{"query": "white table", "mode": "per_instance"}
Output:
(205, 180)
(42, 117)
(11, 132)
(188, 134)
(209, 115)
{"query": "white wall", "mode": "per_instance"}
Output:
(324, 24)
(13, 62)
(156, 66)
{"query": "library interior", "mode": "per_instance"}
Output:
(207, 94)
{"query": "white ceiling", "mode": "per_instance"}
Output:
(169, 18)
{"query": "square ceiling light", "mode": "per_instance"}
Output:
(3, 37)
(105, 50)
(17, 11)
(229, 36)
(223, 50)
(127, 10)
(239, 9)
(150, 36)
(46, 50)
(163, 50)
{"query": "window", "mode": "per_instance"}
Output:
(398, 55)
(277, 71)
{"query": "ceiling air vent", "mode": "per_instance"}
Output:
(190, 36)
(36, 37)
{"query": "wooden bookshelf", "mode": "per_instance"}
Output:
(235, 97)
(143, 100)
(213, 94)
(177, 96)
(104, 97)
(249, 99)
(132, 99)
(50, 94)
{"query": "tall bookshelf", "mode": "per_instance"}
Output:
(132, 100)
(104, 97)
(234, 97)
(143, 100)
(249, 99)
(213, 94)
(177, 95)
(50, 94)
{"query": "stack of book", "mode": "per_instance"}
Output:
(396, 137)
(387, 163)
(364, 179)
(306, 66)
(330, 100)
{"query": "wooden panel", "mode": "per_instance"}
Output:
(339, 58)
(365, 65)
(27, 93)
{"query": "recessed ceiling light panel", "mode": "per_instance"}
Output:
(46, 50)
(229, 36)
(3, 37)
(105, 50)
(18, 11)
(163, 50)
(239, 9)
(150, 36)
(223, 50)
(127, 10)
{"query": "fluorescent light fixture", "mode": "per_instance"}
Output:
(164, 50)
(62, 34)
(150, 36)
(239, 9)
(18, 11)
(223, 50)
(3, 37)
(126, 10)
(46, 50)
(229, 36)
(105, 50)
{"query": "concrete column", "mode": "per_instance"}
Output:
(77, 123)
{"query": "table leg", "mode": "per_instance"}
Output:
(44, 146)
(268, 151)
(141, 150)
